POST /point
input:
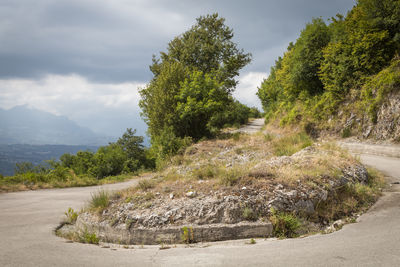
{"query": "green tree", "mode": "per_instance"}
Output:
(192, 82)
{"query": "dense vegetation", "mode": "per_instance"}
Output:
(334, 63)
(109, 163)
(189, 97)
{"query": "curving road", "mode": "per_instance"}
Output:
(27, 220)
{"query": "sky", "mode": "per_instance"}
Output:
(86, 59)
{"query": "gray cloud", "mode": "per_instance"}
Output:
(112, 41)
(85, 59)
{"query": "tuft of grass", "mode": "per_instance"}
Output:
(230, 177)
(284, 224)
(100, 200)
(268, 137)
(249, 214)
(346, 132)
(205, 173)
(146, 184)
(290, 144)
(71, 216)
(252, 241)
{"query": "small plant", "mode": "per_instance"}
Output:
(236, 136)
(284, 224)
(252, 241)
(100, 200)
(346, 132)
(249, 214)
(208, 172)
(88, 237)
(268, 137)
(288, 145)
(230, 177)
(128, 223)
(145, 184)
(187, 235)
(71, 216)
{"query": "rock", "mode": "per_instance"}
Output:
(244, 188)
(171, 196)
(191, 194)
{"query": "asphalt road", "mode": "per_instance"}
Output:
(27, 220)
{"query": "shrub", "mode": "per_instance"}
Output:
(284, 224)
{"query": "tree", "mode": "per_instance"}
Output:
(192, 81)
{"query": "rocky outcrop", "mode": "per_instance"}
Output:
(221, 214)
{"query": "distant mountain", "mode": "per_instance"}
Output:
(36, 154)
(24, 125)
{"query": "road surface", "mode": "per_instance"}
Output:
(27, 220)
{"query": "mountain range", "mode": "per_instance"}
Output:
(24, 125)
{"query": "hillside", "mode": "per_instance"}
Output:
(23, 125)
(341, 77)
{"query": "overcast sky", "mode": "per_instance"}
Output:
(85, 59)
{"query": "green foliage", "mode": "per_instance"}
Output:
(145, 184)
(290, 144)
(378, 87)
(318, 72)
(190, 93)
(284, 224)
(88, 237)
(230, 177)
(249, 214)
(99, 200)
(187, 236)
(71, 216)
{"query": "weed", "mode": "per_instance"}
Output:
(252, 241)
(230, 177)
(236, 136)
(284, 224)
(145, 184)
(346, 132)
(100, 200)
(288, 145)
(268, 137)
(207, 172)
(249, 214)
(88, 237)
(71, 216)
(187, 236)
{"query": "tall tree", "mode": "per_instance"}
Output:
(197, 73)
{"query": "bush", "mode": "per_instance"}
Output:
(284, 224)
(145, 184)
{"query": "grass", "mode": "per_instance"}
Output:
(99, 201)
(290, 144)
(33, 181)
(284, 224)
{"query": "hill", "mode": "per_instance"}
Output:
(24, 125)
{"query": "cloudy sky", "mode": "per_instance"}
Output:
(85, 59)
